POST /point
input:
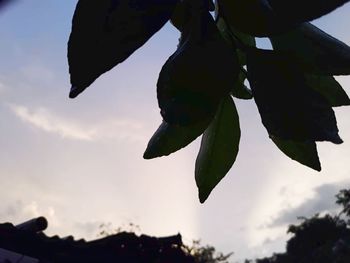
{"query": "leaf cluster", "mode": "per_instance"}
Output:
(292, 85)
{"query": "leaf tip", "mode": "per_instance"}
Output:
(203, 194)
(337, 139)
(74, 92)
(202, 198)
(149, 154)
(317, 167)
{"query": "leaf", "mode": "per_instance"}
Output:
(300, 11)
(224, 30)
(270, 17)
(302, 152)
(198, 75)
(182, 13)
(170, 138)
(254, 17)
(329, 88)
(240, 90)
(105, 33)
(235, 38)
(324, 53)
(219, 148)
(288, 107)
(228, 31)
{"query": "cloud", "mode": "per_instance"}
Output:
(323, 201)
(89, 230)
(45, 120)
(20, 211)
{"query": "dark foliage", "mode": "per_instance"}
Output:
(124, 247)
(185, 88)
(318, 239)
(270, 17)
(105, 33)
(293, 85)
(289, 108)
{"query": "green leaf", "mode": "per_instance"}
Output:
(251, 17)
(300, 11)
(201, 72)
(222, 26)
(105, 33)
(235, 38)
(182, 13)
(329, 88)
(270, 17)
(302, 152)
(289, 108)
(240, 90)
(322, 52)
(248, 40)
(170, 138)
(219, 148)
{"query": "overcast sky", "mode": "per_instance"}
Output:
(79, 162)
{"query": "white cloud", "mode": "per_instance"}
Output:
(45, 120)
(21, 211)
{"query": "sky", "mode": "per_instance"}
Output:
(79, 162)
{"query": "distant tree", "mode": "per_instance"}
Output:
(292, 85)
(318, 239)
(200, 253)
(206, 254)
(343, 199)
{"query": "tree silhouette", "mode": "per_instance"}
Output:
(318, 239)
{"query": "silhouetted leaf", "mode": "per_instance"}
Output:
(300, 11)
(235, 38)
(198, 75)
(289, 108)
(302, 152)
(233, 33)
(224, 30)
(326, 54)
(182, 13)
(105, 33)
(254, 17)
(271, 17)
(219, 148)
(170, 138)
(240, 90)
(329, 88)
